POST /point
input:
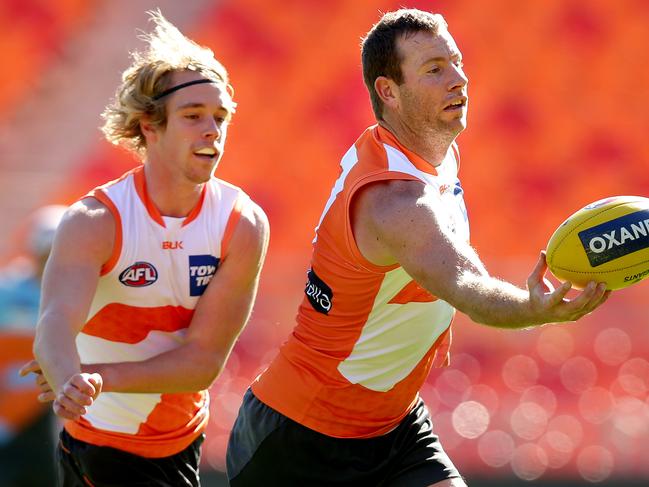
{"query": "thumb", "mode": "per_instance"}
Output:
(96, 380)
(31, 366)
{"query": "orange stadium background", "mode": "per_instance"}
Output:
(558, 118)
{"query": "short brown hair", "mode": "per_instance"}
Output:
(168, 51)
(379, 53)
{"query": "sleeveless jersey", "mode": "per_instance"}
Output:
(366, 335)
(144, 303)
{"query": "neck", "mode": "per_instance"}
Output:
(171, 195)
(429, 144)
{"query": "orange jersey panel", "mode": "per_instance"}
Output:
(366, 335)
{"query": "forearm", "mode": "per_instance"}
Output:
(56, 352)
(493, 302)
(188, 368)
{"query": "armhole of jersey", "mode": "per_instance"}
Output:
(349, 234)
(233, 219)
(100, 196)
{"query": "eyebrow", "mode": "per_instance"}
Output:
(454, 55)
(185, 106)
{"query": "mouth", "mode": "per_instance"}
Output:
(207, 153)
(457, 104)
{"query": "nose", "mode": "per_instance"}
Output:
(459, 80)
(212, 129)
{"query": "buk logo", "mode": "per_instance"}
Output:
(201, 270)
(139, 274)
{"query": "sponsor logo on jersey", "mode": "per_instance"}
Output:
(139, 274)
(201, 270)
(169, 245)
(616, 238)
(319, 294)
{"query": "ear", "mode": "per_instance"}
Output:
(387, 90)
(149, 130)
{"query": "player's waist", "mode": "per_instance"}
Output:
(318, 397)
(146, 442)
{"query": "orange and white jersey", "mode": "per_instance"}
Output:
(143, 305)
(366, 335)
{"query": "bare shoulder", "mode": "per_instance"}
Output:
(382, 213)
(381, 202)
(254, 216)
(249, 243)
(88, 226)
(253, 223)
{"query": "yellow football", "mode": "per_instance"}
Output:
(606, 241)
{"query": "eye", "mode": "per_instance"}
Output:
(434, 69)
(192, 116)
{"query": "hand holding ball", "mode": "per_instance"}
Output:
(606, 241)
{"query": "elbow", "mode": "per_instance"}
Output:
(206, 370)
(38, 348)
(208, 379)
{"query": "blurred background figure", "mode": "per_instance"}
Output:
(27, 427)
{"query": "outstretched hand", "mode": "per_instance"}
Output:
(74, 396)
(32, 367)
(552, 306)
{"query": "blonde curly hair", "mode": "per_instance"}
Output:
(147, 79)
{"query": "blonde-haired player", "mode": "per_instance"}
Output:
(151, 278)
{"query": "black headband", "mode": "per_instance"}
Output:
(180, 86)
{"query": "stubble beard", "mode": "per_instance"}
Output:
(438, 134)
(434, 131)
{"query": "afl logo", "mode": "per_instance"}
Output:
(139, 274)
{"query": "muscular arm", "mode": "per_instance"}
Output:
(401, 221)
(220, 315)
(83, 242)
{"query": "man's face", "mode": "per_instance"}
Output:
(192, 142)
(433, 94)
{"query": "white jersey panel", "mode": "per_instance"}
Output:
(397, 336)
(347, 163)
(144, 303)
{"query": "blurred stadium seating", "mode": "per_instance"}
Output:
(557, 119)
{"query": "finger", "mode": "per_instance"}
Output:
(580, 303)
(97, 381)
(557, 296)
(548, 287)
(48, 396)
(599, 298)
(41, 381)
(538, 272)
(29, 367)
(82, 384)
(65, 407)
(64, 413)
(79, 397)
